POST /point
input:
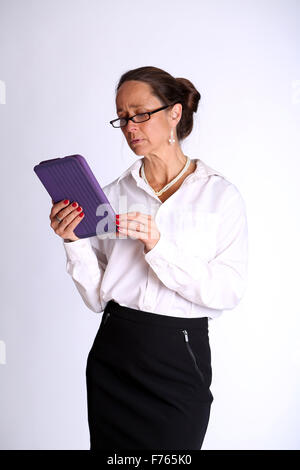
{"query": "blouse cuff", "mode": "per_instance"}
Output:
(77, 248)
(163, 253)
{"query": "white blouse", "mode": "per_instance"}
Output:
(198, 267)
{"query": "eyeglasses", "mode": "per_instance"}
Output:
(141, 117)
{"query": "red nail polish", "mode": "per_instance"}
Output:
(74, 204)
(81, 215)
(66, 201)
(117, 222)
(117, 215)
(79, 209)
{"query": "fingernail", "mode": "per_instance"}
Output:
(66, 201)
(74, 204)
(79, 209)
(82, 214)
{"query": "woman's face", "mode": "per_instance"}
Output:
(135, 97)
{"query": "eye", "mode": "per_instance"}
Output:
(136, 112)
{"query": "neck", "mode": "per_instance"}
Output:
(160, 171)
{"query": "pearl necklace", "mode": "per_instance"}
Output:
(165, 188)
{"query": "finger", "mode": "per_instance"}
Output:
(133, 234)
(125, 232)
(71, 225)
(136, 225)
(58, 206)
(134, 216)
(68, 215)
(137, 216)
(65, 219)
(119, 234)
(62, 207)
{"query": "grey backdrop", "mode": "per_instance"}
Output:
(59, 64)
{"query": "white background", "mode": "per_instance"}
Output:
(60, 62)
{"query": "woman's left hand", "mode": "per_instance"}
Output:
(139, 226)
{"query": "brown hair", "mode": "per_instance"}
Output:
(168, 90)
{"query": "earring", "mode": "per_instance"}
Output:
(172, 140)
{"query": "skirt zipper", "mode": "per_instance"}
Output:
(192, 354)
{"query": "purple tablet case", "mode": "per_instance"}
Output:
(71, 178)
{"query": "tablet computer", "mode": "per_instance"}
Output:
(71, 178)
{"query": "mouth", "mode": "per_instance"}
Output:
(136, 141)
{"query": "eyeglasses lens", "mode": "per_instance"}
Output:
(138, 118)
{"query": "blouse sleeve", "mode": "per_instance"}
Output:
(86, 264)
(219, 283)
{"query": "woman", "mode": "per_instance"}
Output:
(178, 259)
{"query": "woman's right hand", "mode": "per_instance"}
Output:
(70, 214)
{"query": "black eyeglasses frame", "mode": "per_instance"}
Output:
(147, 112)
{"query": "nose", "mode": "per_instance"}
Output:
(131, 126)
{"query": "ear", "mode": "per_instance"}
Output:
(176, 112)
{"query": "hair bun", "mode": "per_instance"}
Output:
(192, 96)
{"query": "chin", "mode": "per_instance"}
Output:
(138, 149)
(138, 152)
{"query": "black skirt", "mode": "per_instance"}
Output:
(148, 377)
